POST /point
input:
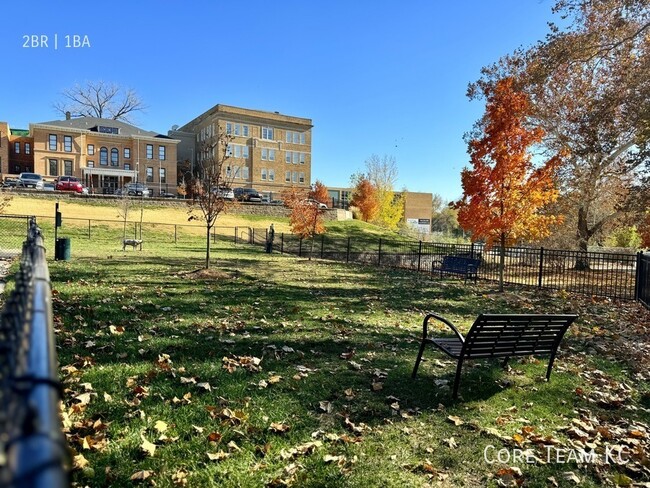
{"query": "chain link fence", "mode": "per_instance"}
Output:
(33, 451)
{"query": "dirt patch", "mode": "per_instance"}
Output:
(207, 274)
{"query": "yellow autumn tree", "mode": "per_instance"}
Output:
(503, 193)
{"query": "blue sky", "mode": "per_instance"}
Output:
(384, 77)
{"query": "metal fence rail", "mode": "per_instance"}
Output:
(643, 280)
(33, 450)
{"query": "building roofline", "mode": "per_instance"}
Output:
(252, 113)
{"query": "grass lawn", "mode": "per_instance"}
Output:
(271, 370)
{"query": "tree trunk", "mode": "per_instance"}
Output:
(311, 250)
(502, 261)
(207, 247)
(583, 235)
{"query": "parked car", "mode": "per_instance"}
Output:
(9, 182)
(224, 192)
(49, 186)
(30, 180)
(69, 183)
(247, 195)
(319, 204)
(134, 190)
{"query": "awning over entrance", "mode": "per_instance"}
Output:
(109, 172)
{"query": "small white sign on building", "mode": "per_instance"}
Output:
(423, 226)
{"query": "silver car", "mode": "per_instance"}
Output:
(30, 180)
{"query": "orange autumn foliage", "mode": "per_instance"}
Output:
(503, 193)
(365, 198)
(306, 219)
(319, 192)
(644, 231)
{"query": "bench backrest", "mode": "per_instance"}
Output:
(459, 263)
(507, 335)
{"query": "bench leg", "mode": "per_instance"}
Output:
(457, 380)
(505, 362)
(550, 366)
(417, 361)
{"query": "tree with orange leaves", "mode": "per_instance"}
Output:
(364, 197)
(319, 192)
(503, 193)
(306, 218)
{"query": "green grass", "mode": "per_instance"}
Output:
(139, 331)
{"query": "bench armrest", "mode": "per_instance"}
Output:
(425, 325)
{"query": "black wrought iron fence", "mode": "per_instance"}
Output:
(33, 451)
(595, 273)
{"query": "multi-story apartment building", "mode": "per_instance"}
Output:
(104, 154)
(269, 151)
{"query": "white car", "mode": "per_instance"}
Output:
(224, 192)
(315, 202)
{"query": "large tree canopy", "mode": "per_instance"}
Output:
(589, 87)
(100, 99)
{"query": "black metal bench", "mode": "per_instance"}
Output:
(460, 265)
(499, 336)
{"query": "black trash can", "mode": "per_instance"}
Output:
(62, 249)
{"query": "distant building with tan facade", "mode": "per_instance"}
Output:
(103, 153)
(418, 207)
(269, 151)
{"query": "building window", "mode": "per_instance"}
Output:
(271, 175)
(28, 148)
(228, 172)
(236, 172)
(54, 167)
(244, 130)
(294, 137)
(149, 151)
(237, 151)
(16, 147)
(163, 175)
(267, 133)
(301, 177)
(127, 153)
(103, 156)
(244, 152)
(67, 167)
(302, 158)
(67, 143)
(294, 177)
(265, 154)
(244, 172)
(237, 129)
(271, 154)
(127, 166)
(162, 152)
(91, 149)
(115, 157)
(90, 164)
(149, 174)
(228, 128)
(52, 142)
(287, 176)
(263, 173)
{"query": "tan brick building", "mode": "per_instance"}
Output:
(104, 154)
(269, 151)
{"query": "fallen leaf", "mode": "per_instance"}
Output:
(218, 456)
(141, 475)
(160, 426)
(147, 446)
(455, 420)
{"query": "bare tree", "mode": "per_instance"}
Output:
(212, 176)
(123, 207)
(100, 99)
